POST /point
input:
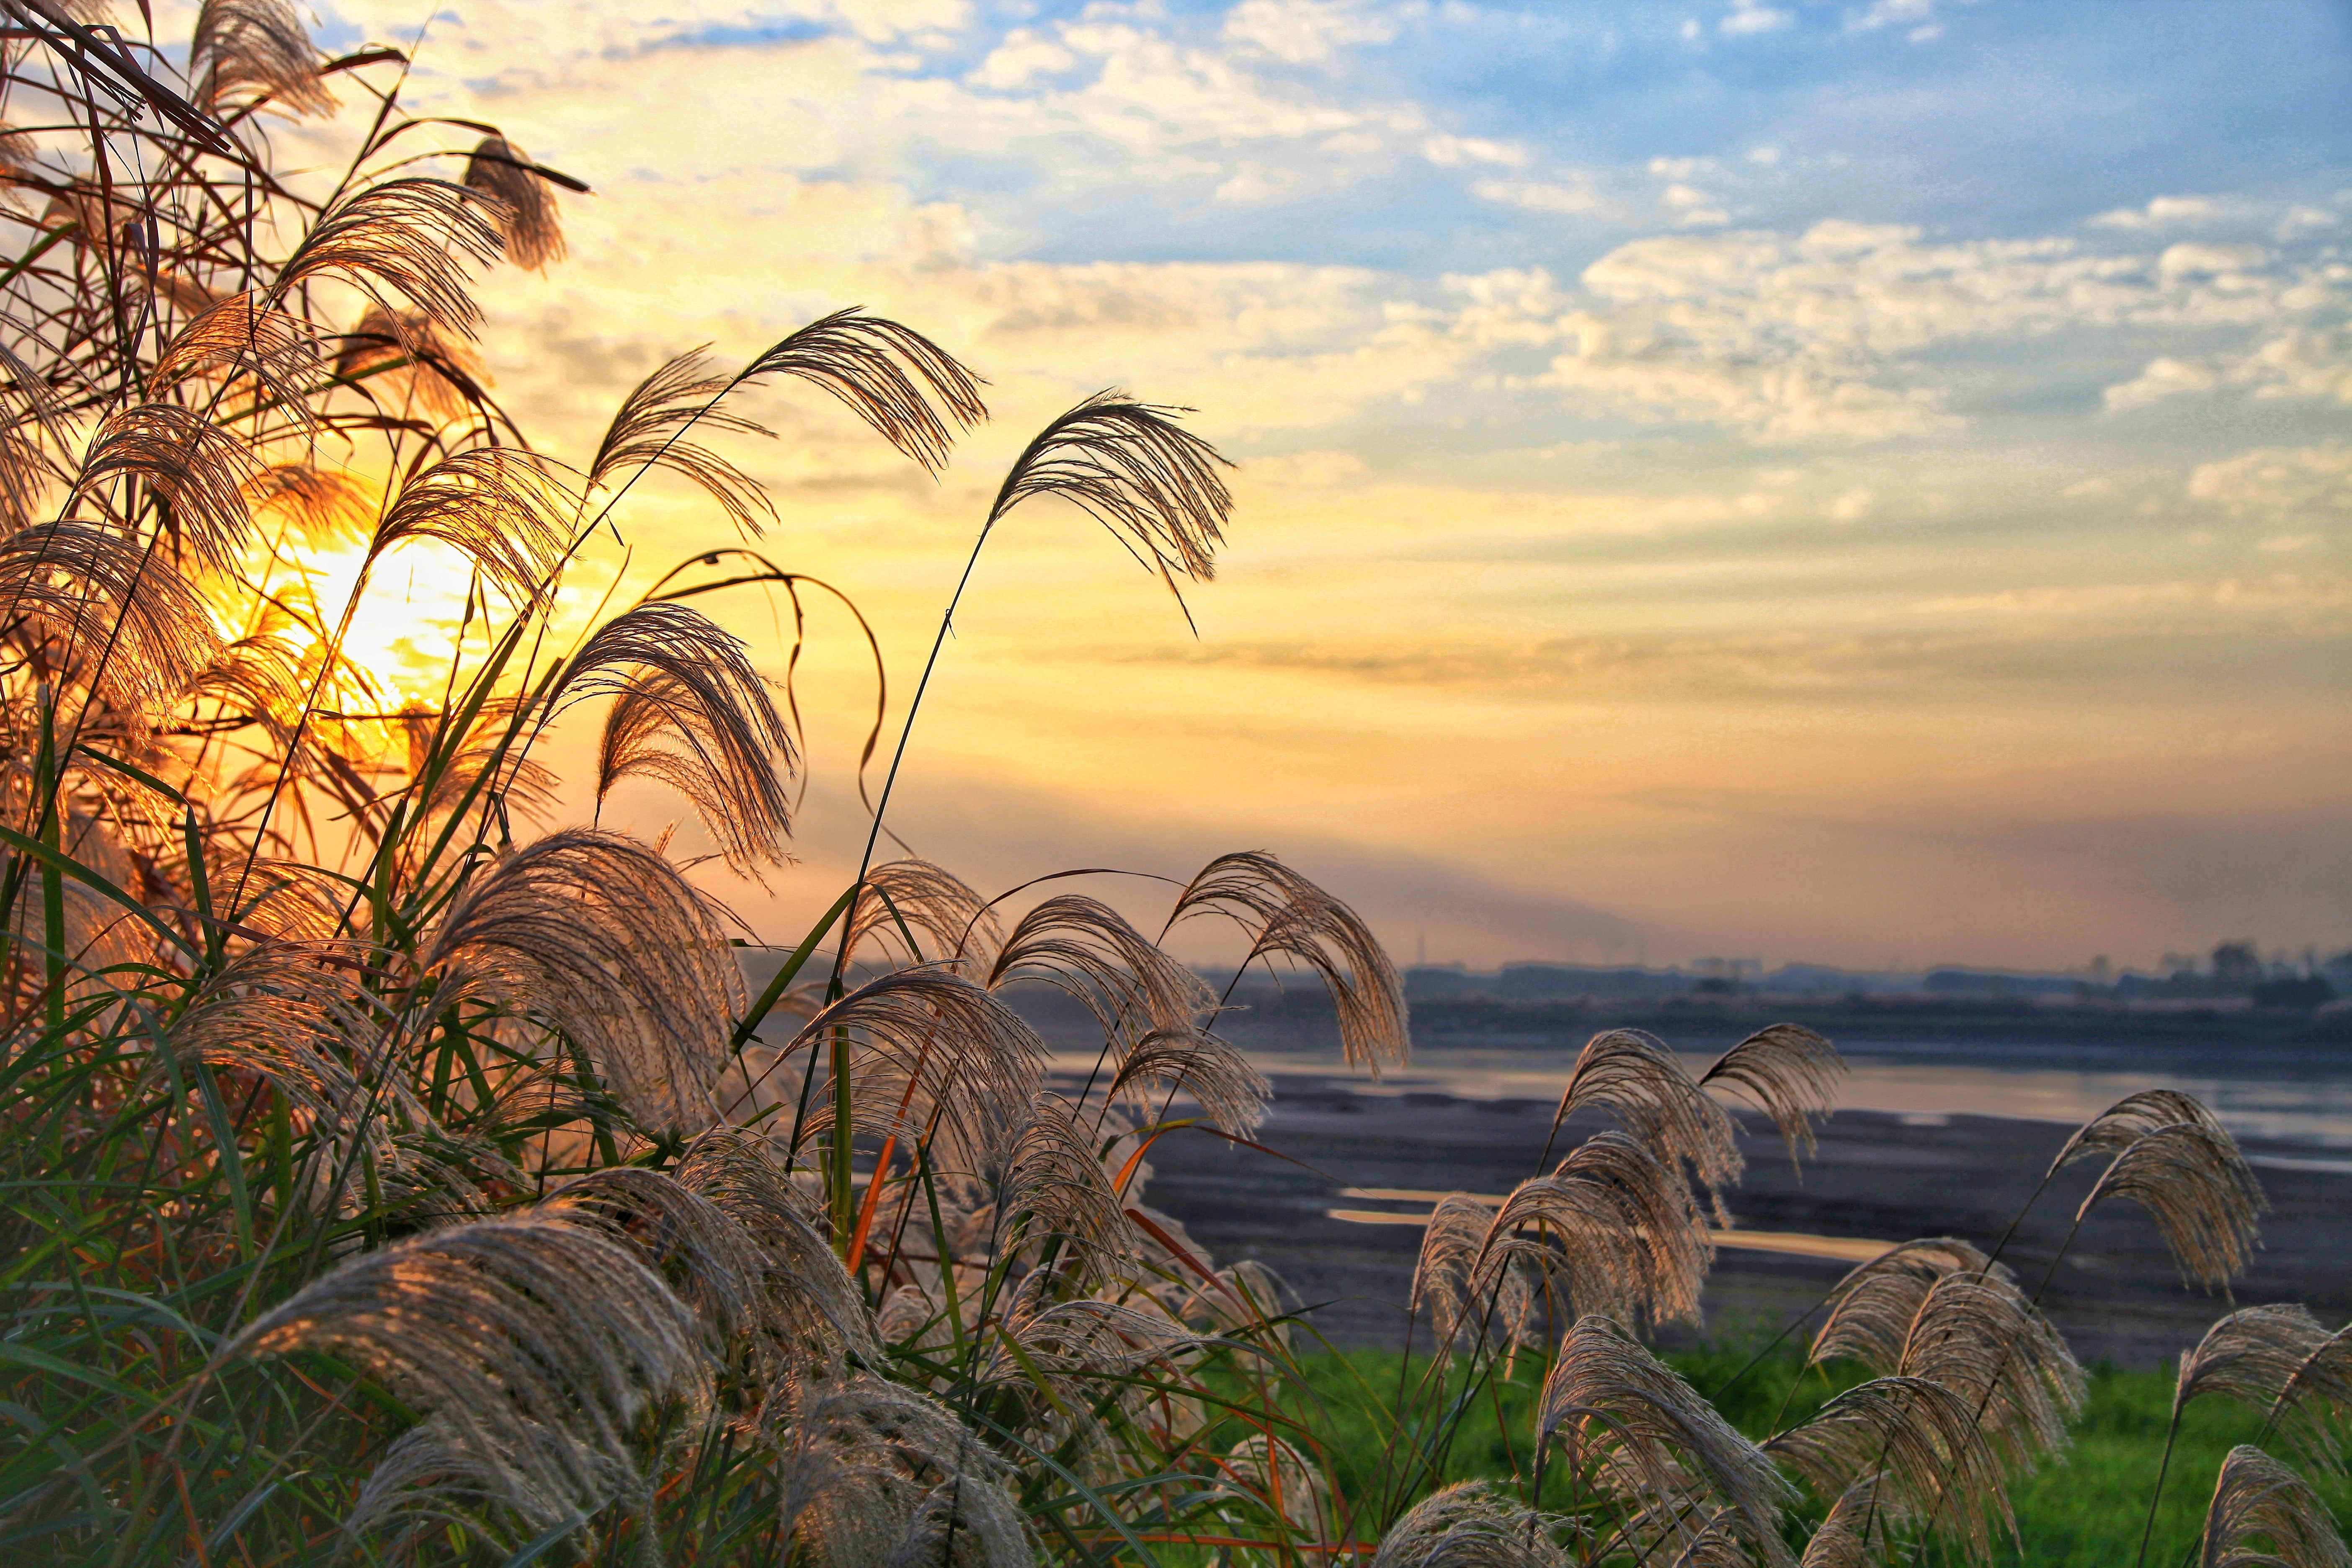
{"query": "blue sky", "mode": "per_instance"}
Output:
(1864, 482)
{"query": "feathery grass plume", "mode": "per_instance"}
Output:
(699, 1247)
(1286, 915)
(1086, 949)
(1786, 1071)
(537, 1345)
(324, 506)
(649, 430)
(193, 465)
(1622, 1400)
(2133, 1117)
(408, 353)
(240, 339)
(923, 913)
(1853, 1535)
(599, 936)
(1130, 468)
(1614, 1225)
(2258, 1502)
(934, 1046)
(2312, 1406)
(2198, 1187)
(1637, 1080)
(1071, 1345)
(826, 1319)
(876, 1473)
(430, 1483)
(100, 595)
(887, 375)
(2251, 1355)
(1909, 1448)
(527, 216)
(1470, 1525)
(689, 711)
(260, 45)
(1978, 1335)
(1445, 1273)
(1056, 1182)
(414, 237)
(1872, 1308)
(1230, 1093)
(505, 509)
(1279, 1476)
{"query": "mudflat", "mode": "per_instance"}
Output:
(1876, 1177)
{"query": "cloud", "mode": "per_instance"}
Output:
(1021, 59)
(1307, 32)
(1751, 16)
(1540, 195)
(1449, 151)
(2278, 482)
(2193, 260)
(2170, 212)
(2163, 378)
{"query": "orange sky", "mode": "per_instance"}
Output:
(1671, 523)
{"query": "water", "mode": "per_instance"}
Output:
(2313, 1113)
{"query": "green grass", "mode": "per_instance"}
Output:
(2084, 1512)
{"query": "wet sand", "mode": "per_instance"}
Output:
(1879, 1178)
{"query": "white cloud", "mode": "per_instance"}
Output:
(2300, 221)
(1307, 32)
(1020, 60)
(1667, 168)
(1749, 16)
(1683, 196)
(1451, 152)
(2278, 482)
(2169, 212)
(2161, 379)
(1853, 506)
(1540, 195)
(2188, 259)
(1916, 15)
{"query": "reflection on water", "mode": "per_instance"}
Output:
(2308, 1110)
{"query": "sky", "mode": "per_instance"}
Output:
(1861, 482)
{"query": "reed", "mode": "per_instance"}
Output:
(395, 1174)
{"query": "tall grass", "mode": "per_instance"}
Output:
(394, 1174)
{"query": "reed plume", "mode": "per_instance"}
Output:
(1635, 1079)
(650, 429)
(1872, 1309)
(1789, 1073)
(427, 367)
(2316, 1400)
(1978, 1335)
(196, 467)
(1286, 916)
(1230, 1093)
(1900, 1450)
(888, 375)
(527, 216)
(878, 1473)
(2259, 1503)
(414, 237)
(1469, 1525)
(1088, 950)
(2251, 1356)
(259, 47)
(504, 509)
(2196, 1186)
(113, 615)
(925, 914)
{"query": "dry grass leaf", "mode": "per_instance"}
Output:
(1913, 1449)
(506, 510)
(599, 936)
(1789, 1073)
(887, 375)
(527, 215)
(649, 430)
(1470, 1525)
(1088, 950)
(2196, 1186)
(1622, 1400)
(199, 470)
(257, 45)
(1872, 1308)
(1286, 916)
(538, 1346)
(2263, 1515)
(689, 711)
(921, 913)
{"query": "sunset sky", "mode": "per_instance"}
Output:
(1862, 482)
